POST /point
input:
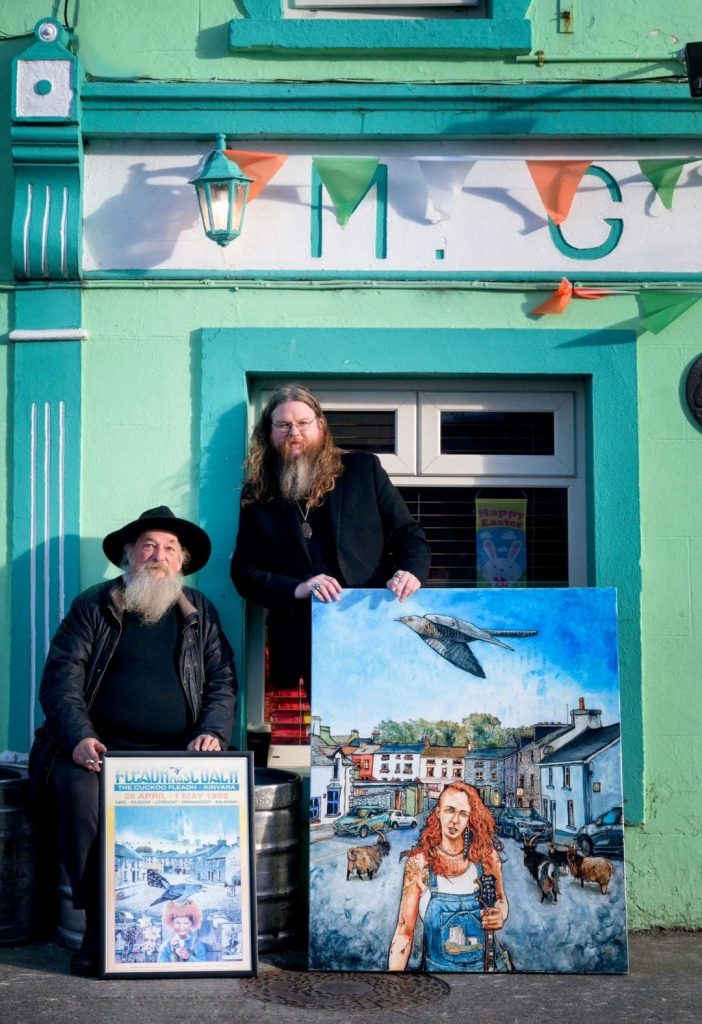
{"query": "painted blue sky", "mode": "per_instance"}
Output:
(197, 825)
(367, 666)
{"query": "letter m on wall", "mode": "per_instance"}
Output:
(348, 180)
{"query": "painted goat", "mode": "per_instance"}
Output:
(590, 869)
(365, 860)
(559, 854)
(543, 868)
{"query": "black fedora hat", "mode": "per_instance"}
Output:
(190, 536)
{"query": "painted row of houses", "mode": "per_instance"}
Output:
(567, 772)
(217, 862)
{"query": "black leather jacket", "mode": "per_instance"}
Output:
(86, 640)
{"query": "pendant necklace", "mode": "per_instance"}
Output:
(304, 525)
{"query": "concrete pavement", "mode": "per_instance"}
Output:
(664, 986)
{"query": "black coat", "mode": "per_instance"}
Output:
(85, 642)
(374, 535)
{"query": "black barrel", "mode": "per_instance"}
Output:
(280, 908)
(277, 826)
(15, 857)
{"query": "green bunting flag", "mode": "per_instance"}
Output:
(664, 175)
(346, 179)
(661, 308)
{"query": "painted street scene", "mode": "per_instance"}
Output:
(502, 706)
(177, 885)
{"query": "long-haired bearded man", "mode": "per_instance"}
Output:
(315, 520)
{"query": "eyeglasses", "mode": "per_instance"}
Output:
(285, 426)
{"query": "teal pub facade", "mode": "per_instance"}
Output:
(476, 212)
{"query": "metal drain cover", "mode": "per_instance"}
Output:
(317, 990)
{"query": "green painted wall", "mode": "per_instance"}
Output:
(7, 51)
(141, 383)
(188, 39)
(140, 370)
(670, 844)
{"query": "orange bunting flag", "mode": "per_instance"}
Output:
(259, 166)
(557, 181)
(560, 299)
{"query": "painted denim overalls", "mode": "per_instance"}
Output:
(453, 935)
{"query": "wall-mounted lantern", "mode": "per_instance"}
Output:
(222, 189)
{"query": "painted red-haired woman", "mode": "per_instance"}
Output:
(443, 884)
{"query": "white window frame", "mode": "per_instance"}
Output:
(402, 403)
(418, 458)
(559, 403)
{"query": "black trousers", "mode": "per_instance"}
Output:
(76, 793)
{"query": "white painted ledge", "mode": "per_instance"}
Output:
(52, 334)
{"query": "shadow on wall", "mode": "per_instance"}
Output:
(213, 42)
(144, 221)
(43, 584)
(221, 476)
(220, 491)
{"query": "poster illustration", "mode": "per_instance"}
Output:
(177, 861)
(500, 527)
(466, 796)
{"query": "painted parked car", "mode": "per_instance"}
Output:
(398, 819)
(360, 821)
(603, 835)
(522, 823)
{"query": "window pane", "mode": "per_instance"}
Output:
(497, 433)
(448, 517)
(372, 431)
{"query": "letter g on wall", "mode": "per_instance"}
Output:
(616, 225)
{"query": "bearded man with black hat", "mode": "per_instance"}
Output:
(138, 663)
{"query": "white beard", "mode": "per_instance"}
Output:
(150, 595)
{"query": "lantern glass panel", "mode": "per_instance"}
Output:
(240, 193)
(202, 193)
(221, 206)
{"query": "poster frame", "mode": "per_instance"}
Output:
(222, 780)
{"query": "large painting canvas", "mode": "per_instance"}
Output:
(466, 800)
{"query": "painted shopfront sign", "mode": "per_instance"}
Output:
(449, 209)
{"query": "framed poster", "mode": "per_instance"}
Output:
(177, 860)
(465, 796)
